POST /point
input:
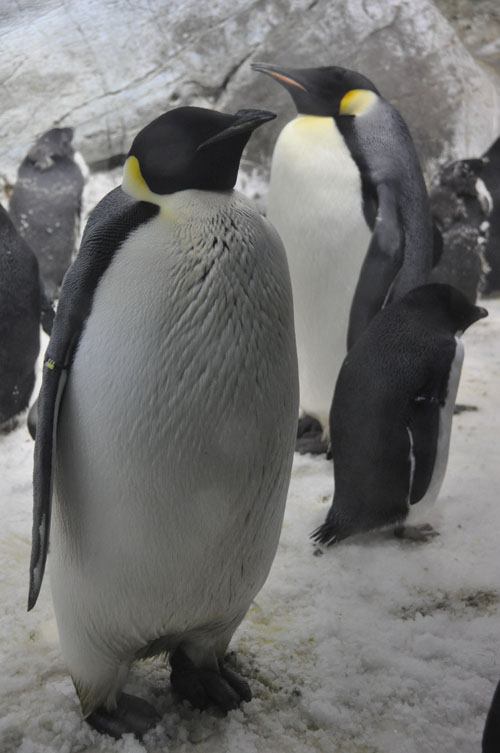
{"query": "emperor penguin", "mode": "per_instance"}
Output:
(23, 307)
(391, 414)
(348, 198)
(166, 422)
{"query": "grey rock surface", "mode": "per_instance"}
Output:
(106, 68)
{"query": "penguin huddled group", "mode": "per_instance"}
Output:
(190, 330)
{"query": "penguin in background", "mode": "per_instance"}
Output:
(23, 307)
(166, 422)
(391, 414)
(491, 733)
(45, 204)
(348, 198)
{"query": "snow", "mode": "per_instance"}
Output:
(376, 645)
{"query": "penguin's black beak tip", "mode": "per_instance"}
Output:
(482, 312)
(245, 121)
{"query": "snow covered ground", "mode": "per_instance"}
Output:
(374, 646)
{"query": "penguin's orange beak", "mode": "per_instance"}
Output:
(272, 70)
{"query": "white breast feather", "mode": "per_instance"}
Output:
(315, 203)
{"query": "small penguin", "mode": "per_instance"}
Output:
(23, 306)
(46, 201)
(166, 421)
(348, 198)
(491, 733)
(488, 173)
(460, 206)
(391, 413)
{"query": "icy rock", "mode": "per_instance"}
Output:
(107, 68)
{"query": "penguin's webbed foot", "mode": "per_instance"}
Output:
(132, 715)
(205, 687)
(310, 437)
(422, 532)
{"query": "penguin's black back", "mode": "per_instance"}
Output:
(46, 202)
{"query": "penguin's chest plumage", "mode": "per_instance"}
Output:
(315, 202)
(175, 410)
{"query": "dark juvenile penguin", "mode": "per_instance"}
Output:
(391, 413)
(461, 205)
(489, 174)
(46, 201)
(23, 306)
(348, 198)
(166, 421)
(491, 734)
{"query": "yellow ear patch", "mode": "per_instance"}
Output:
(134, 184)
(357, 102)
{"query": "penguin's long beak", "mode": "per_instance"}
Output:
(245, 121)
(285, 76)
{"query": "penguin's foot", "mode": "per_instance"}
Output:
(310, 437)
(206, 687)
(132, 714)
(422, 532)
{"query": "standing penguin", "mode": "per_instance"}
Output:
(46, 201)
(491, 733)
(391, 414)
(348, 198)
(23, 306)
(166, 421)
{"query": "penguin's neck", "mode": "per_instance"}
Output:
(181, 205)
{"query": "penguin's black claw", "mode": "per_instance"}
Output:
(132, 715)
(422, 532)
(326, 534)
(205, 687)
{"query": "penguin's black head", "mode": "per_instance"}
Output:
(189, 147)
(447, 306)
(52, 145)
(329, 91)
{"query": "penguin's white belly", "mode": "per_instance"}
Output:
(315, 202)
(444, 436)
(174, 442)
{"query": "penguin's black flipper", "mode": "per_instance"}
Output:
(100, 241)
(423, 431)
(382, 263)
(423, 421)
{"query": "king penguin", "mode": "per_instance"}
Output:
(349, 200)
(166, 422)
(391, 413)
